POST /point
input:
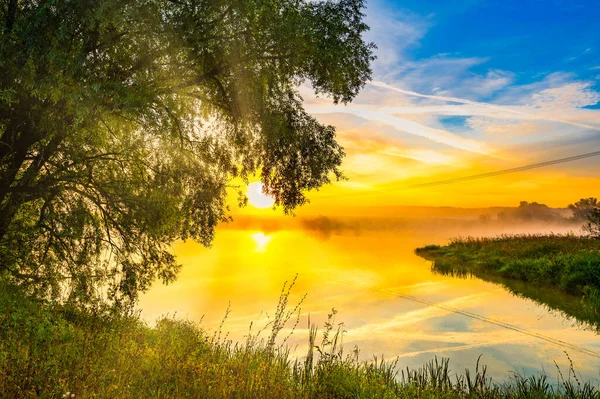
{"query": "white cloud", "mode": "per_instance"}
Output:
(568, 96)
(394, 32)
(440, 74)
(422, 155)
(542, 105)
(410, 97)
(492, 82)
(408, 126)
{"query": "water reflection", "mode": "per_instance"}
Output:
(261, 241)
(361, 276)
(570, 306)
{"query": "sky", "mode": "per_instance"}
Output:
(467, 87)
(459, 88)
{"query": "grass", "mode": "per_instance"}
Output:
(55, 351)
(569, 264)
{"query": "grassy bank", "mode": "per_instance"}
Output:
(58, 352)
(527, 264)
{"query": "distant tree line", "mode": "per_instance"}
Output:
(531, 211)
(585, 211)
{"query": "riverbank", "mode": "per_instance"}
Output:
(52, 351)
(532, 266)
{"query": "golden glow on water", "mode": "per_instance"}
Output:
(257, 198)
(261, 241)
(360, 274)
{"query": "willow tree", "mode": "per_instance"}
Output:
(122, 123)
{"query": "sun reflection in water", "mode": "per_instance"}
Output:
(261, 241)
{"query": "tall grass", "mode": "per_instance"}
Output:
(567, 263)
(51, 351)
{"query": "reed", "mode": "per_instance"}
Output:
(566, 263)
(51, 351)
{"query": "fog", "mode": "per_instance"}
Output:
(442, 222)
(365, 267)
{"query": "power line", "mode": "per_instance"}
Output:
(474, 177)
(507, 171)
(476, 316)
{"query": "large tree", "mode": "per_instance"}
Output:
(122, 123)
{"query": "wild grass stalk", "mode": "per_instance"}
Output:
(54, 351)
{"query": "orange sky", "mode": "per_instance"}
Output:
(377, 180)
(396, 138)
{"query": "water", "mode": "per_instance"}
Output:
(363, 275)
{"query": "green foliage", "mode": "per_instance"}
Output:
(587, 210)
(567, 263)
(582, 208)
(431, 247)
(592, 227)
(122, 123)
(54, 351)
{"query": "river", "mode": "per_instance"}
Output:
(387, 297)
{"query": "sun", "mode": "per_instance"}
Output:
(256, 197)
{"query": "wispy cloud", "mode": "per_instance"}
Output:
(394, 32)
(410, 127)
(431, 115)
(416, 316)
(572, 95)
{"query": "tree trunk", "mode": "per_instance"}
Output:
(11, 14)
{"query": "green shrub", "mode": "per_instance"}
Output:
(567, 263)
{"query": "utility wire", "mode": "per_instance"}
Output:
(475, 316)
(472, 177)
(506, 171)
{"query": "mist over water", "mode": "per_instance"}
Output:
(364, 268)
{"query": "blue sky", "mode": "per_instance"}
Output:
(464, 87)
(528, 38)
(523, 40)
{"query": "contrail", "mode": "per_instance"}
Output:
(487, 105)
(411, 127)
